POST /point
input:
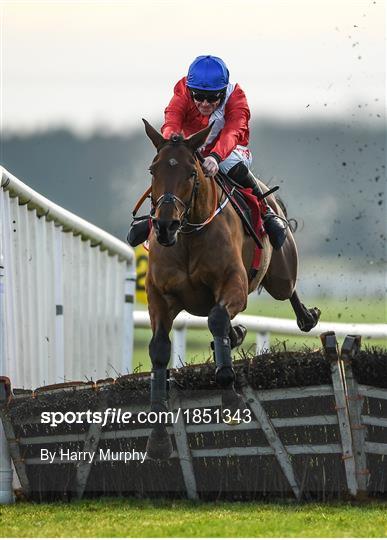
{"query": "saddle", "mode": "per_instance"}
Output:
(238, 194)
(251, 211)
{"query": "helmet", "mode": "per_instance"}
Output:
(207, 73)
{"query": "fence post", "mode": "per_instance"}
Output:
(6, 473)
(349, 350)
(331, 353)
(179, 346)
(262, 342)
(59, 320)
(130, 291)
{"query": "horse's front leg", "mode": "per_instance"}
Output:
(231, 299)
(159, 444)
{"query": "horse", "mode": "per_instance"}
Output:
(199, 261)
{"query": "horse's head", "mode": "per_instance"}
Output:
(175, 181)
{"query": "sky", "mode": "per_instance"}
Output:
(90, 64)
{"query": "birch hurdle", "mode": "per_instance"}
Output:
(308, 442)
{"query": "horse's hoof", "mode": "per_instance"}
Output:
(225, 377)
(159, 445)
(312, 317)
(237, 335)
(232, 407)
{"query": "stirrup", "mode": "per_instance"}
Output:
(276, 228)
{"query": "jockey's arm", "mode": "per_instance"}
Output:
(236, 128)
(175, 111)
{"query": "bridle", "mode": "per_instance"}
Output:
(185, 227)
(171, 198)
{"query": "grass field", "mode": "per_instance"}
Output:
(145, 518)
(355, 310)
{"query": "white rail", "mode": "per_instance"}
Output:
(66, 297)
(262, 326)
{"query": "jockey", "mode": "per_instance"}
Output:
(206, 96)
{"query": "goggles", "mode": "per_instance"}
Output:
(210, 97)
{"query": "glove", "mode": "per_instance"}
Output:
(210, 166)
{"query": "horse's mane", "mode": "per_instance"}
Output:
(176, 138)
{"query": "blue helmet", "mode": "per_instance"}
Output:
(208, 73)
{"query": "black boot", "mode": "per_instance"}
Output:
(139, 231)
(274, 225)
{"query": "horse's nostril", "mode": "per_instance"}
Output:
(174, 225)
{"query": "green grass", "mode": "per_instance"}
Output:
(355, 310)
(145, 518)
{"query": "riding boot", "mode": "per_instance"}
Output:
(274, 225)
(139, 231)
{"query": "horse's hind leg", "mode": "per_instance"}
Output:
(281, 289)
(280, 281)
(306, 318)
(237, 334)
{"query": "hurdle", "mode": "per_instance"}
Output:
(317, 424)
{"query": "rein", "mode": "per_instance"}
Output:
(220, 179)
(141, 200)
(214, 212)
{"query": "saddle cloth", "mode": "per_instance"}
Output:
(253, 210)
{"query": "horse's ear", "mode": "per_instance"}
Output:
(156, 137)
(198, 139)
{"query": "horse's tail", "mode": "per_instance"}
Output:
(293, 224)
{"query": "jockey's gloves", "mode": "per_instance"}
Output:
(210, 166)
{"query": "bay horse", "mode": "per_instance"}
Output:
(204, 269)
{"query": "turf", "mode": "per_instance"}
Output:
(355, 310)
(145, 518)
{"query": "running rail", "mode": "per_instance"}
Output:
(66, 297)
(262, 326)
